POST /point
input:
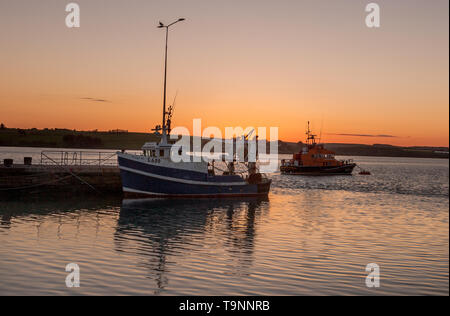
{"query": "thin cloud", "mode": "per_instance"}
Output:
(94, 99)
(365, 135)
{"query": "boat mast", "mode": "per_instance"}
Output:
(164, 127)
(307, 135)
(310, 137)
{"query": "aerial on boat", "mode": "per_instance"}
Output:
(314, 159)
(152, 173)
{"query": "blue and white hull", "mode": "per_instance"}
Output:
(144, 176)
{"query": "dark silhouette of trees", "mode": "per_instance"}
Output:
(81, 141)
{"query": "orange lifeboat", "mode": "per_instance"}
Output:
(314, 159)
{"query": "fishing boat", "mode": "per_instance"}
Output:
(315, 159)
(153, 173)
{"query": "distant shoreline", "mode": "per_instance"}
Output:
(120, 139)
(443, 156)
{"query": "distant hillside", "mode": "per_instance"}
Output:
(65, 138)
(120, 139)
(373, 150)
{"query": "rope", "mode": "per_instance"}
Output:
(73, 174)
(62, 167)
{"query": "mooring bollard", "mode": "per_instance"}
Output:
(8, 162)
(27, 161)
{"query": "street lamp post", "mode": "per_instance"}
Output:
(161, 25)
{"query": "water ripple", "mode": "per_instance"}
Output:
(313, 235)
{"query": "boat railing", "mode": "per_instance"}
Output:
(78, 158)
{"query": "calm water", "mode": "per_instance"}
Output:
(313, 235)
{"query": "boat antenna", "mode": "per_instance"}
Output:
(170, 113)
(249, 134)
(164, 127)
(307, 134)
(175, 99)
(310, 137)
(320, 135)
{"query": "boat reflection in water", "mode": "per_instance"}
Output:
(165, 233)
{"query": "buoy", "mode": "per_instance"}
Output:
(363, 172)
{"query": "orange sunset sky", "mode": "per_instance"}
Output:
(233, 63)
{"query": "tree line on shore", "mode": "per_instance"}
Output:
(122, 139)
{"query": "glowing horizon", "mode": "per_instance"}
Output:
(258, 63)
